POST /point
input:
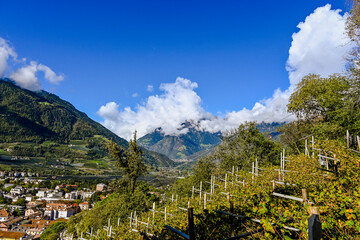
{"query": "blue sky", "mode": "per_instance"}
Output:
(110, 51)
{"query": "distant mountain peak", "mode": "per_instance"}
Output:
(187, 145)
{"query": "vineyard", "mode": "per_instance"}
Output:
(320, 186)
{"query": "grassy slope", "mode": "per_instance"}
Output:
(55, 129)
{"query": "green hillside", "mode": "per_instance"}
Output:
(39, 116)
(41, 125)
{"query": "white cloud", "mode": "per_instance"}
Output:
(320, 46)
(269, 110)
(150, 88)
(5, 52)
(178, 103)
(50, 74)
(26, 77)
(134, 95)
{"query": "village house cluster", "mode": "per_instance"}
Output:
(26, 212)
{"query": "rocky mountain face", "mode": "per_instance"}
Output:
(191, 146)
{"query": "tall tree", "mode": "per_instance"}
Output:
(353, 32)
(317, 97)
(325, 103)
(244, 145)
(293, 134)
(129, 160)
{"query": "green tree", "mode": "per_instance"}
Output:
(16, 213)
(129, 160)
(20, 202)
(352, 30)
(53, 232)
(203, 170)
(244, 145)
(325, 103)
(293, 135)
(317, 97)
(4, 200)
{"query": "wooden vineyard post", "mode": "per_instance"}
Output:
(232, 219)
(232, 180)
(153, 213)
(327, 166)
(335, 166)
(237, 171)
(204, 200)
(253, 171)
(191, 223)
(314, 224)
(212, 185)
(279, 174)
(273, 185)
(347, 138)
(312, 146)
(256, 167)
(192, 193)
(225, 180)
(304, 195)
(200, 193)
(282, 166)
(358, 142)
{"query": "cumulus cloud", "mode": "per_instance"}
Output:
(269, 110)
(150, 88)
(50, 75)
(5, 52)
(26, 77)
(319, 47)
(178, 103)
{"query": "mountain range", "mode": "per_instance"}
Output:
(189, 146)
(195, 143)
(40, 124)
